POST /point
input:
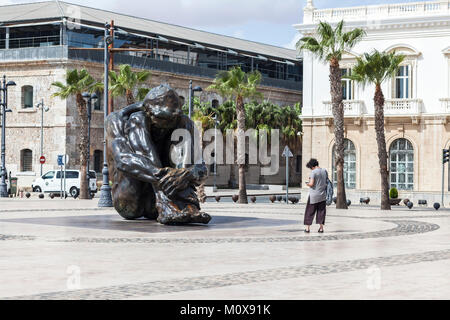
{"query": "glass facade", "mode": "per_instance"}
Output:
(401, 157)
(349, 165)
(34, 36)
(160, 52)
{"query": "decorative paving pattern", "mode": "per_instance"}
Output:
(147, 289)
(403, 228)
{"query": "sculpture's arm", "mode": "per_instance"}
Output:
(140, 167)
(132, 108)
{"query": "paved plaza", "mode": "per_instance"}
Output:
(70, 249)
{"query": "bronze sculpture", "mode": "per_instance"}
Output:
(146, 182)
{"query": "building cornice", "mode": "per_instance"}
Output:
(385, 24)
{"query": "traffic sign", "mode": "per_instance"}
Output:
(63, 160)
(287, 153)
(42, 160)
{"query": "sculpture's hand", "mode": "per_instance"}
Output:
(175, 180)
(199, 172)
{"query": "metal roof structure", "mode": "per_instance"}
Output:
(39, 12)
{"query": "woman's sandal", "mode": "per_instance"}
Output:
(307, 231)
(320, 231)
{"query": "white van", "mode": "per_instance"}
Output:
(51, 182)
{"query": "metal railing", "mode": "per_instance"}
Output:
(32, 54)
(150, 63)
(45, 41)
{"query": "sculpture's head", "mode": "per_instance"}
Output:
(163, 107)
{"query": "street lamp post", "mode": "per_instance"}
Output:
(43, 108)
(191, 96)
(215, 152)
(89, 98)
(4, 105)
(105, 192)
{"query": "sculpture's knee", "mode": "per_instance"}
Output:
(128, 209)
(126, 201)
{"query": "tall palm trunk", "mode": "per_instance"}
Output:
(232, 180)
(338, 115)
(130, 97)
(382, 151)
(81, 105)
(241, 155)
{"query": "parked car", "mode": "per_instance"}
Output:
(51, 182)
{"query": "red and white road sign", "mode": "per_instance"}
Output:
(42, 160)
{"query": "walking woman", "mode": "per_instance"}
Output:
(317, 196)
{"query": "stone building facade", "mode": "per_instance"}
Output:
(417, 108)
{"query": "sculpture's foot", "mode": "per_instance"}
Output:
(170, 214)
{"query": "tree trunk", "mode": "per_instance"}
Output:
(130, 97)
(232, 180)
(338, 115)
(382, 151)
(82, 113)
(241, 155)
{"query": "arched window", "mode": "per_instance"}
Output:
(349, 165)
(215, 103)
(26, 160)
(401, 155)
(27, 97)
(98, 161)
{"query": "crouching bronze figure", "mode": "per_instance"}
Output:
(146, 181)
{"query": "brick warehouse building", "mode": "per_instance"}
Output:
(37, 47)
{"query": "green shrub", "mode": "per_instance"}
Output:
(393, 193)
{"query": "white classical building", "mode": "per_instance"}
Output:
(417, 106)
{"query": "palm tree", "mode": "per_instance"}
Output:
(239, 85)
(78, 82)
(124, 83)
(375, 68)
(329, 47)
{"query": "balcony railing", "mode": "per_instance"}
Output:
(445, 105)
(375, 12)
(399, 107)
(352, 108)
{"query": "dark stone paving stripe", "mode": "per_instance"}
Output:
(147, 289)
(404, 228)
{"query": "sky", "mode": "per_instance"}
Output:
(266, 21)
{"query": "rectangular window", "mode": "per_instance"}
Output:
(26, 161)
(347, 85)
(403, 82)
